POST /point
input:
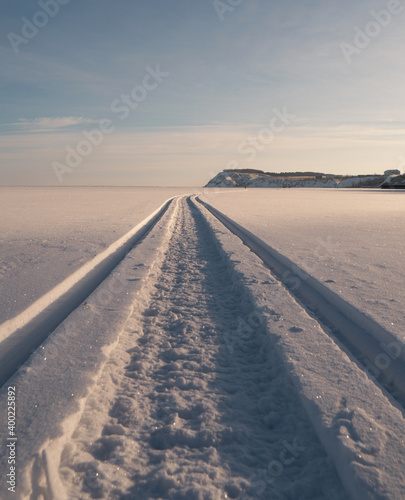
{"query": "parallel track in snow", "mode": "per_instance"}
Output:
(186, 404)
(375, 350)
(199, 410)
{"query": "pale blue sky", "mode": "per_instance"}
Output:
(226, 76)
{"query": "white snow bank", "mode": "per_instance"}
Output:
(258, 180)
(359, 331)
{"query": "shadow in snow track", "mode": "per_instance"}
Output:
(367, 341)
(223, 404)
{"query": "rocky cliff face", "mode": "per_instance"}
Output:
(370, 181)
(394, 182)
(262, 180)
(237, 179)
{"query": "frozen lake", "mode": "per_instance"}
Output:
(193, 353)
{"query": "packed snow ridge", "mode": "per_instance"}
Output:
(256, 178)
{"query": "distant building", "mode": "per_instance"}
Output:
(391, 172)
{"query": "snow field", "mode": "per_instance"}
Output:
(191, 372)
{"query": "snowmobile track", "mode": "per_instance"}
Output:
(173, 400)
(191, 415)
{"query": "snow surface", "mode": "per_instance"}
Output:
(190, 417)
(22, 334)
(191, 372)
(361, 427)
(48, 233)
(352, 241)
(180, 408)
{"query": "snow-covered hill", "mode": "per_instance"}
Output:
(263, 180)
(359, 182)
(394, 182)
(238, 179)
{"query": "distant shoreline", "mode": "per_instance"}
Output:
(244, 178)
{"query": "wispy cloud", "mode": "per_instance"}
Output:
(46, 124)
